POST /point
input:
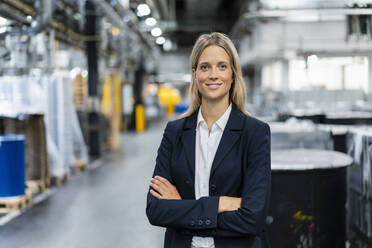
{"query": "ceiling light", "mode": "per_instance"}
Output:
(143, 10)
(156, 32)
(151, 21)
(160, 40)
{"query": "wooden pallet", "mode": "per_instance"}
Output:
(35, 186)
(59, 181)
(10, 204)
(80, 91)
(78, 166)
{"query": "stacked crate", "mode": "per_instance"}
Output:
(80, 91)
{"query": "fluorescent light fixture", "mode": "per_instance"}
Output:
(156, 32)
(160, 40)
(150, 21)
(143, 10)
(3, 30)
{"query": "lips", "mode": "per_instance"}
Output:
(214, 86)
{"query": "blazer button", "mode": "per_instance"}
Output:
(187, 181)
(192, 223)
(200, 222)
(213, 187)
(207, 222)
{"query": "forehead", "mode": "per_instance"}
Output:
(214, 53)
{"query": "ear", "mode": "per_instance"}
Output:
(194, 74)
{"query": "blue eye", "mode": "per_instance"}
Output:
(204, 67)
(223, 66)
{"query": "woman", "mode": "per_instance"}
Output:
(211, 184)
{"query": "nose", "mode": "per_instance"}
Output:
(213, 74)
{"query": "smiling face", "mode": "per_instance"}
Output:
(214, 74)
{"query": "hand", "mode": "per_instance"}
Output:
(165, 190)
(227, 203)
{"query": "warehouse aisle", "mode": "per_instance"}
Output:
(103, 207)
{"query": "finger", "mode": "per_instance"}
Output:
(161, 179)
(155, 194)
(158, 183)
(161, 184)
(164, 181)
(157, 188)
(160, 187)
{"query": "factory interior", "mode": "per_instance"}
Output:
(87, 88)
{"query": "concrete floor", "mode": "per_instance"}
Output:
(103, 207)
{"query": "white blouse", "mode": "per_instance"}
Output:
(205, 149)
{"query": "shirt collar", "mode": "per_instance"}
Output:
(221, 122)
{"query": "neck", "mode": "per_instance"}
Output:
(212, 111)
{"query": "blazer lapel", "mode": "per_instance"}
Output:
(229, 137)
(188, 140)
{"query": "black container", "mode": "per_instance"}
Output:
(307, 208)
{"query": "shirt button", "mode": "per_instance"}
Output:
(207, 222)
(213, 187)
(200, 222)
(187, 181)
(192, 223)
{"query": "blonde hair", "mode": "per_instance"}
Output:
(237, 90)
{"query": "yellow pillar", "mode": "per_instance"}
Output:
(140, 118)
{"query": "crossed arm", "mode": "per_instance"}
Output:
(163, 189)
(226, 216)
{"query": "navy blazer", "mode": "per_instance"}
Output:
(241, 168)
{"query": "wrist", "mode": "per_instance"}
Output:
(221, 204)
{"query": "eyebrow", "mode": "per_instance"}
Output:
(219, 62)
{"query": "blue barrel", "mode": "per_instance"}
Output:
(180, 108)
(12, 165)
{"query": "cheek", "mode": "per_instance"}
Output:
(228, 78)
(200, 78)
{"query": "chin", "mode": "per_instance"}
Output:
(214, 97)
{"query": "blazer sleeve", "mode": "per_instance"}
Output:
(190, 214)
(250, 218)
